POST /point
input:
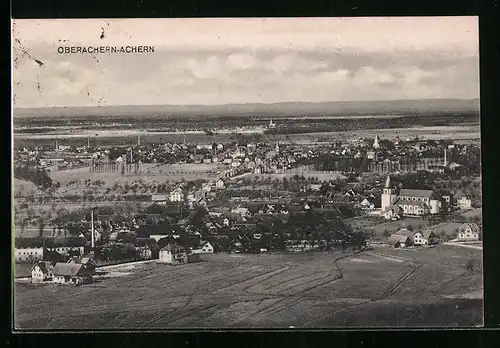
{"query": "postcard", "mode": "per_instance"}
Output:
(250, 173)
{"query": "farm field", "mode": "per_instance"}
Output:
(377, 288)
(459, 133)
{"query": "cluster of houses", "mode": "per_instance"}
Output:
(404, 238)
(77, 271)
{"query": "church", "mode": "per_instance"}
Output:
(408, 202)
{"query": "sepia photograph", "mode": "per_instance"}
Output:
(246, 173)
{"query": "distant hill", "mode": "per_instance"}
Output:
(276, 109)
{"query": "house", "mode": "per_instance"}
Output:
(144, 252)
(468, 232)
(173, 254)
(206, 187)
(464, 203)
(391, 213)
(219, 184)
(399, 241)
(176, 195)
(88, 263)
(42, 271)
(71, 273)
(159, 199)
(424, 238)
(225, 222)
(406, 232)
(206, 248)
(28, 254)
(69, 250)
(366, 204)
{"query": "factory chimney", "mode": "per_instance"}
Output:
(445, 158)
(92, 228)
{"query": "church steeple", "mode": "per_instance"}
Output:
(389, 195)
(388, 182)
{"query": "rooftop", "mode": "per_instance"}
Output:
(67, 269)
(416, 193)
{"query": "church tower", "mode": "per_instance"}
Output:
(376, 142)
(389, 195)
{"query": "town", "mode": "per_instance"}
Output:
(82, 207)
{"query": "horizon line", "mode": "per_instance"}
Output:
(249, 103)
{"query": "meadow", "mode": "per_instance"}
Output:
(377, 288)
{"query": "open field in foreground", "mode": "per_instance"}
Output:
(377, 288)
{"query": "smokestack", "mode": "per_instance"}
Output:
(445, 158)
(57, 147)
(92, 225)
(138, 140)
(88, 143)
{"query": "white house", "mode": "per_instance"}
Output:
(219, 184)
(28, 254)
(42, 271)
(176, 195)
(206, 248)
(391, 213)
(424, 238)
(468, 231)
(464, 203)
(66, 250)
(206, 187)
(366, 204)
(225, 222)
(173, 254)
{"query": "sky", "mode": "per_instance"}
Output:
(221, 61)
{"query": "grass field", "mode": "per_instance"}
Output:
(377, 288)
(379, 226)
(470, 213)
